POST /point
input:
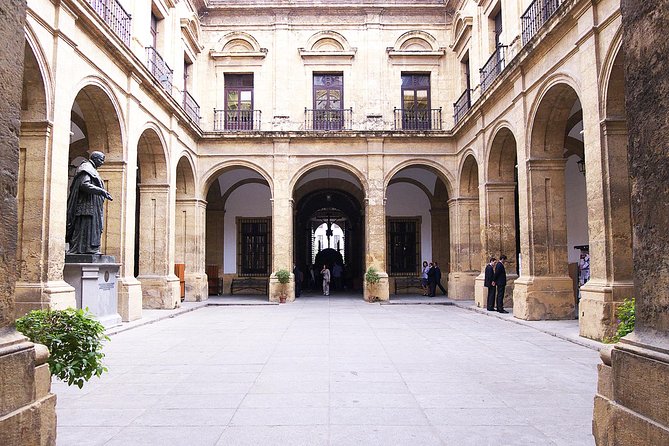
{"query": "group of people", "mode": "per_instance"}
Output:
(495, 281)
(335, 276)
(430, 279)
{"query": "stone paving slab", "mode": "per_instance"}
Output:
(334, 371)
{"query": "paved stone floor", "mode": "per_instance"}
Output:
(334, 371)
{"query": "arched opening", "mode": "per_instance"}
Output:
(238, 246)
(558, 214)
(160, 288)
(328, 229)
(466, 254)
(501, 231)
(417, 227)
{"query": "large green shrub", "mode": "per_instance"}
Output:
(74, 340)
(626, 318)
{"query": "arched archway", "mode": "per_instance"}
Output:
(417, 224)
(189, 234)
(501, 225)
(556, 207)
(160, 287)
(238, 246)
(329, 228)
(465, 215)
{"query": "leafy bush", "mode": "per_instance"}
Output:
(626, 319)
(283, 276)
(371, 276)
(74, 339)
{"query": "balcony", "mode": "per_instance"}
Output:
(324, 120)
(462, 105)
(493, 67)
(115, 16)
(233, 120)
(191, 107)
(428, 119)
(536, 15)
(159, 69)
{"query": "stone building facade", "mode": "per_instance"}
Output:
(450, 130)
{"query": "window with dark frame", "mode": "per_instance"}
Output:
(154, 30)
(328, 101)
(416, 101)
(403, 246)
(253, 253)
(239, 101)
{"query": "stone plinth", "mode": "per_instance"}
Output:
(379, 291)
(94, 279)
(543, 298)
(461, 285)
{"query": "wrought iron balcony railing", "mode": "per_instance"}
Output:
(493, 67)
(236, 120)
(536, 15)
(159, 69)
(428, 119)
(191, 107)
(328, 119)
(462, 105)
(115, 16)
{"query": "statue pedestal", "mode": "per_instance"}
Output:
(93, 277)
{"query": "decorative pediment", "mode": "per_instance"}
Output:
(190, 31)
(461, 33)
(416, 44)
(328, 47)
(239, 45)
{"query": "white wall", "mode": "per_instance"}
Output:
(577, 210)
(408, 200)
(249, 200)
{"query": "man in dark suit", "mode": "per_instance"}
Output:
(487, 282)
(431, 280)
(499, 280)
(437, 278)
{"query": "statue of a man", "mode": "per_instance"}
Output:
(84, 207)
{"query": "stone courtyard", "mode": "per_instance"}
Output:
(334, 371)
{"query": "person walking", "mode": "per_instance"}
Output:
(437, 278)
(487, 282)
(423, 277)
(326, 280)
(499, 280)
(431, 280)
(298, 280)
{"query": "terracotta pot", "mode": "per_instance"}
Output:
(282, 299)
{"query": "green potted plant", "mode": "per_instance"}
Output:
(372, 278)
(283, 276)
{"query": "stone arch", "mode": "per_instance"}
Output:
(324, 163)
(469, 177)
(416, 41)
(212, 174)
(185, 177)
(328, 41)
(239, 42)
(152, 160)
(443, 174)
(502, 155)
(37, 97)
(612, 75)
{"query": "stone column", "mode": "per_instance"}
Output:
(544, 290)
(610, 234)
(440, 239)
(160, 287)
(282, 223)
(214, 241)
(189, 246)
(375, 223)
(465, 247)
(632, 401)
(27, 408)
(498, 234)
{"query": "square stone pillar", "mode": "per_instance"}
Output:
(27, 408)
(189, 246)
(282, 224)
(545, 290)
(466, 258)
(375, 223)
(632, 401)
(498, 235)
(160, 287)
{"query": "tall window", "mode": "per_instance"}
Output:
(239, 102)
(154, 30)
(403, 245)
(328, 101)
(416, 101)
(498, 27)
(465, 71)
(254, 246)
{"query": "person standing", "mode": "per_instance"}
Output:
(487, 282)
(298, 280)
(336, 275)
(499, 280)
(423, 277)
(431, 280)
(325, 272)
(438, 278)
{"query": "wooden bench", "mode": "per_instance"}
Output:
(258, 284)
(408, 282)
